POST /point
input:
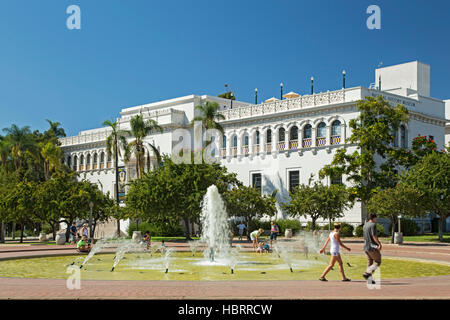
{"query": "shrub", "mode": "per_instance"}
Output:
(408, 227)
(346, 230)
(295, 225)
(359, 231)
(157, 229)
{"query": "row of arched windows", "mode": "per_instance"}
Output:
(293, 134)
(82, 162)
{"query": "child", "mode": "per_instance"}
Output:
(82, 246)
(162, 249)
(260, 248)
(334, 250)
(266, 247)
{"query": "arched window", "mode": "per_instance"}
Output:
(307, 131)
(82, 159)
(281, 135)
(269, 136)
(293, 133)
(395, 141)
(95, 158)
(102, 157)
(246, 141)
(257, 137)
(336, 128)
(75, 160)
(235, 141)
(403, 142)
(109, 158)
(321, 130)
(88, 159)
(224, 141)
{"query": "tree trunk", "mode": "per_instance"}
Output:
(53, 230)
(118, 228)
(14, 231)
(2, 233)
(248, 230)
(393, 225)
(441, 224)
(187, 231)
(313, 224)
(21, 232)
(68, 230)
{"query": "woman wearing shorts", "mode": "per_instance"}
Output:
(254, 237)
(335, 241)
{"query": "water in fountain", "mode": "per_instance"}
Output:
(285, 252)
(167, 254)
(97, 247)
(127, 246)
(313, 242)
(194, 245)
(215, 229)
(153, 248)
(233, 257)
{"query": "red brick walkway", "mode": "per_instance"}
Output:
(416, 288)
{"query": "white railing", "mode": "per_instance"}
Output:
(285, 105)
(85, 138)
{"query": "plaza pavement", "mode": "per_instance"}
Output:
(406, 288)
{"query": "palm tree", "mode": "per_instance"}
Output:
(114, 143)
(55, 129)
(5, 151)
(52, 156)
(209, 116)
(22, 141)
(139, 130)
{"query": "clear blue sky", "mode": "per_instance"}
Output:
(134, 52)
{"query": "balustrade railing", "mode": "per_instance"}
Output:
(293, 144)
(306, 143)
(321, 142)
(335, 140)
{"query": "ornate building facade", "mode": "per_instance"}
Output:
(277, 144)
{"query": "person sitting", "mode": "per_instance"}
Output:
(260, 248)
(82, 245)
(147, 239)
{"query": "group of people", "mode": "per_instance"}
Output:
(74, 235)
(372, 249)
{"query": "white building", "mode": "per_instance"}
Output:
(280, 143)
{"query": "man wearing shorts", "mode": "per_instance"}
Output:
(372, 247)
(241, 228)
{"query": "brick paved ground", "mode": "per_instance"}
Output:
(417, 288)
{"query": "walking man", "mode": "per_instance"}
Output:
(241, 228)
(372, 247)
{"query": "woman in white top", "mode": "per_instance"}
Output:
(334, 250)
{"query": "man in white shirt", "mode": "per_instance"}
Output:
(241, 228)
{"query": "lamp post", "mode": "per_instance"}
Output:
(91, 206)
(281, 91)
(231, 100)
(312, 85)
(256, 95)
(343, 79)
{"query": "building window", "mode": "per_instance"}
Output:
(403, 143)
(224, 141)
(336, 179)
(256, 181)
(95, 158)
(257, 137)
(336, 128)
(294, 180)
(307, 131)
(395, 141)
(293, 133)
(246, 141)
(321, 130)
(235, 141)
(269, 136)
(69, 161)
(82, 159)
(281, 134)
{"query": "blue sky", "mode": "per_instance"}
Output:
(134, 52)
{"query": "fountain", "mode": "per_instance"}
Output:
(99, 245)
(194, 245)
(215, 229)
(285, 252)
(167, 254)
(127, 246)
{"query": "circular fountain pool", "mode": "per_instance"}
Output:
(183, 266)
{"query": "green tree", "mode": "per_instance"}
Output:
(21, 140)
(318, 201)
(374, 165)
(249, 203)
(174, 192)
(431, 175)
(5, 152)
(139, 130)
(399, 200)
